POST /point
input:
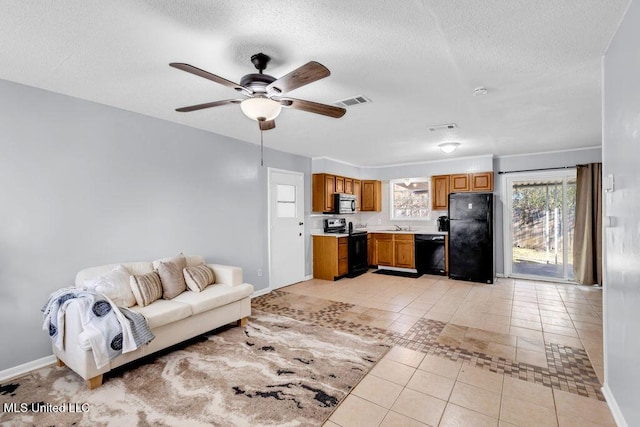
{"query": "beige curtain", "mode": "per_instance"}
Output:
(587, 238)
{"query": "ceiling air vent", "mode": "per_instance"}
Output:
(448, 126)
(356, 100)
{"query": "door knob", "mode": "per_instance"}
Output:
(301, 223)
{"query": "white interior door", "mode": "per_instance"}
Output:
(286, 227)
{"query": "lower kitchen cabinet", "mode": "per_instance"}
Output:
(404, 251)
(393, 250)
(330, 257)
(370, 250)
(383, 249)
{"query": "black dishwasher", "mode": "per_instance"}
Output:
(430, 254)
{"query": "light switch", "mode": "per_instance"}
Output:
(470, 206)
(609, 184)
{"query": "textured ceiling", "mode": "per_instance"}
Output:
(418, 61)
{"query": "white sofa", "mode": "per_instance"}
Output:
(171, 321)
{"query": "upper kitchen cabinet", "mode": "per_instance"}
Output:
(324, 185)
(439, 192)
(442, 185)
(460, 182)
(339, 188)
(348, 185)
(371, 196)
(322, 188)
(358, 193)
(482, 181)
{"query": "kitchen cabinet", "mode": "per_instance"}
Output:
(339, 187)
(370, 250)
(383, 249)
(403, 251)
(371, 196)
(357, 193)
(439, 192)
(324, 185)
(482, 181)
(446, 253)
(322, 188)
(330, 257)
(442, 185)
(348, 185)
(393, 250)
(459, 182)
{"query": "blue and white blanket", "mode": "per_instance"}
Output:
(109, 330)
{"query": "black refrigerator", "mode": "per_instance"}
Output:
(471, 237)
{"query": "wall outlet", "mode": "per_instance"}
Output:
(259, 272)
(379, 220)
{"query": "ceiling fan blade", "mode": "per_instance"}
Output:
(267, 124)
(208, 105)
(308, 73)
(207, 75)
(311, 107)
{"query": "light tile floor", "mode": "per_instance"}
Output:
(515, 353)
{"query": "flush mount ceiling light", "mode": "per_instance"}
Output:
(479, 91)
(260, 108)
(449, 147)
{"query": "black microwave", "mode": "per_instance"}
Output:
(344, 204)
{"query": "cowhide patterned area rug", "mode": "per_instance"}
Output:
(275, 371)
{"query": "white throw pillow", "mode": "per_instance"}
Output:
(115, 285)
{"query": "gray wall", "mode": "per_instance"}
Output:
(621, 151)
(84, 184)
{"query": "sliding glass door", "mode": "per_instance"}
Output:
(540, 222)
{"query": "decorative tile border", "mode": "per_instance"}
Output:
(569, 368)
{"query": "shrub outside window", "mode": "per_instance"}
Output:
(410, 199)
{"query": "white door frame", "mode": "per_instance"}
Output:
(507, 217)
(270, 172)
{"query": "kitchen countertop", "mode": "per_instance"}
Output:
(320, 233)
(384, 231)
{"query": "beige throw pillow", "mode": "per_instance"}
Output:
(172, 278)
(199, 277)
(146, 288)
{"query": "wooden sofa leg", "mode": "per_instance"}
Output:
(94, 382)
(242, 322)
(60, 363)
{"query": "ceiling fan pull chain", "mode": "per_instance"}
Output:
(261, 149)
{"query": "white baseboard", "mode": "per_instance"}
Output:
(613, 406)
(309, 277)
(25, 368)
(260, 293)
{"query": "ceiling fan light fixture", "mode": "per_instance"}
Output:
(260, 108)
(448, 147)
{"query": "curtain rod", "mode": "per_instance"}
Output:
(539, 169)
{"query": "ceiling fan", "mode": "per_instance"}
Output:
(264, 93)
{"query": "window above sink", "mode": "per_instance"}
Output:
(409, 199)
